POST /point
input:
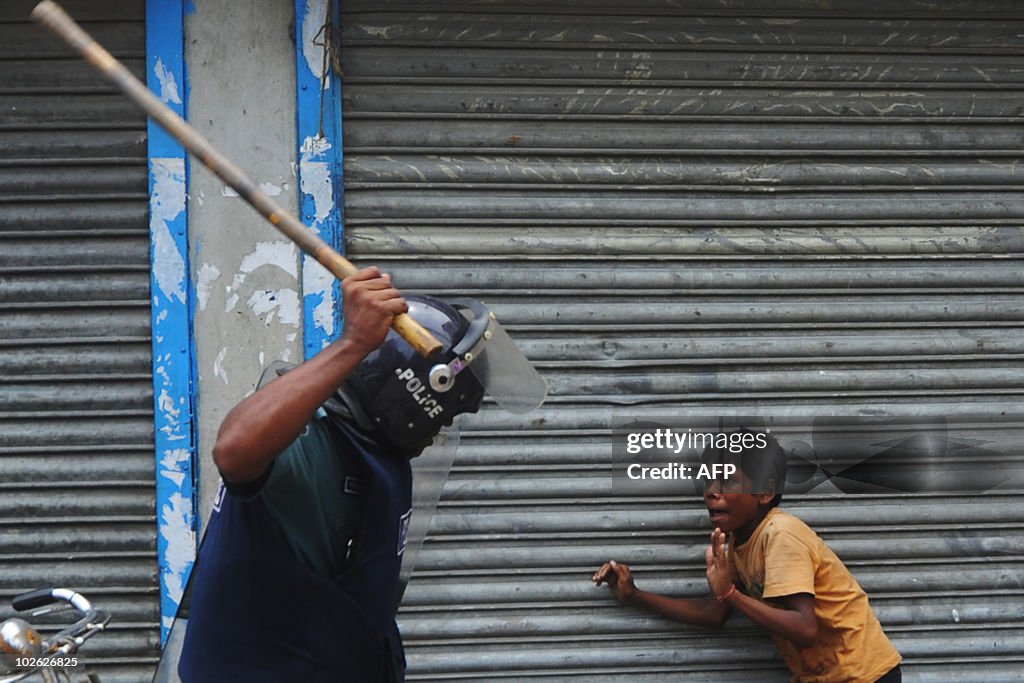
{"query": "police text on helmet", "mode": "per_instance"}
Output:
(419, 392)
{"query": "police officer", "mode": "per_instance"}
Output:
(297, 577)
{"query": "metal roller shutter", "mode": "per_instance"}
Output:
(785, 208)
(76, 415)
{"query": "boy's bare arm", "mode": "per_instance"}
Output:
(697, 611)
(790, 617)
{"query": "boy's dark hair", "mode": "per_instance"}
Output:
(757, 454)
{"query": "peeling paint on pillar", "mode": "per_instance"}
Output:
(171, 308)
(320, 159)
(249, 290)
(166, 207)
(175, 488)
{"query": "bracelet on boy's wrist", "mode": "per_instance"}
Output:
(725, 596)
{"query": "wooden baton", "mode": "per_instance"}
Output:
(52, 16)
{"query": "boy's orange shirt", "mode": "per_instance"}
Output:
(784, 556)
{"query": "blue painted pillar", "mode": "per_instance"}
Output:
(171, 300)
(320, 166)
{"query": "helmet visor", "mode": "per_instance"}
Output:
(505, 373)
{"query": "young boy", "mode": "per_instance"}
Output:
(772, 567)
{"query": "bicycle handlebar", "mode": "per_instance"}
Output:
(46, 596)
(91, 620)
(20, 637)
(33, 599)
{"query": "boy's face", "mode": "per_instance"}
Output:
(733, 508)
